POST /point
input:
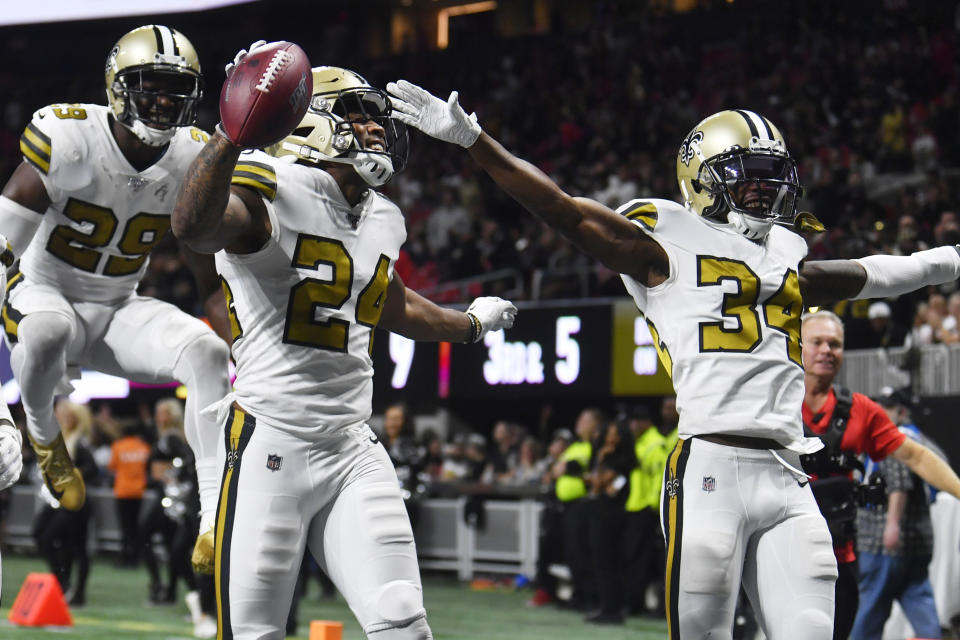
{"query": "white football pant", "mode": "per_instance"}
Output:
(338, 497)
(729, 512)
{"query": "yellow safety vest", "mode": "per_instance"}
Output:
(647, 477)
(573, 487)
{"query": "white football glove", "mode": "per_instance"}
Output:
(228, 69)
(11, 457)
(445, 121)
(492, 314)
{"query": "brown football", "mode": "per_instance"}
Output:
(266, 95)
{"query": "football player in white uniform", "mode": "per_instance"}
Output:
(306, 249)
(11, 455)
(722, 283)
(82, 212)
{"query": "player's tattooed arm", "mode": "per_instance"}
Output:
(209, 215)
(826, 281)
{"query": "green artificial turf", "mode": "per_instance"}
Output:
(116, 609)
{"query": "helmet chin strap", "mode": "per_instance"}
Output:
(376, 169)
(752, 228)
(149, 135)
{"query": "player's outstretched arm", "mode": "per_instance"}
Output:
(929, 466)
(409, 314)
(595, 229)
(877, 276)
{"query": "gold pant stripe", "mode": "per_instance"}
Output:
(673, 518)
(240, 427)
(11, 317)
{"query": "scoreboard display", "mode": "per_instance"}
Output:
(589, 350)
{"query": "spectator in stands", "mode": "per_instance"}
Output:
(433, 455)
(950, 327)
(550, 550)
(921, 332)
(128, 461)
(908, 235)
(612, 462)
(571, 490)
(447, 217)
(61, 535)
(669, 420)
(529, 467)
(103, 432)
(171, 509)
(455, 466)
(406, 455)
(475, 455)
(504, 451)
(895, 542)
(643, 555)
(884, 330)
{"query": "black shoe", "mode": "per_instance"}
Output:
(168, 595)
(160, 595)
(599, 617)
(76, 599)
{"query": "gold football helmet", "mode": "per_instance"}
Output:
(153, 78)
(734, 166)
(342, 98)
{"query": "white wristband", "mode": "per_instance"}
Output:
(896, 275)
(18, 223)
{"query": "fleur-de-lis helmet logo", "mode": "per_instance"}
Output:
(686, 149)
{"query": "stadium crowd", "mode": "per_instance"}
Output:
(870, 105)
(867, 93)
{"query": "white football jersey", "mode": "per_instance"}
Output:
(726, 323)
(303, 308)
(94, 241)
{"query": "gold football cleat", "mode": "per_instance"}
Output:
(61, 477)
(204, 553)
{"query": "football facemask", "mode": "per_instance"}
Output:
(154, 83)
(758, 184)
(328, 131)
(734, 166)
(360, 106)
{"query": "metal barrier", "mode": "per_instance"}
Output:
(25, 503)
(934, 370)
(506, 543)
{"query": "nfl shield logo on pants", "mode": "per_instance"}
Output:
(274, 461)
(709, 483)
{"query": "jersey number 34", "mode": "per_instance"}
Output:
(781, 311)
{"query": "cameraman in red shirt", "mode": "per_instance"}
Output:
(850, 424)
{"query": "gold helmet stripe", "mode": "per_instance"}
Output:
(166, 43)
(35, 147)
(257, 176)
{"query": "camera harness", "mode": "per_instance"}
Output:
(836, 493)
